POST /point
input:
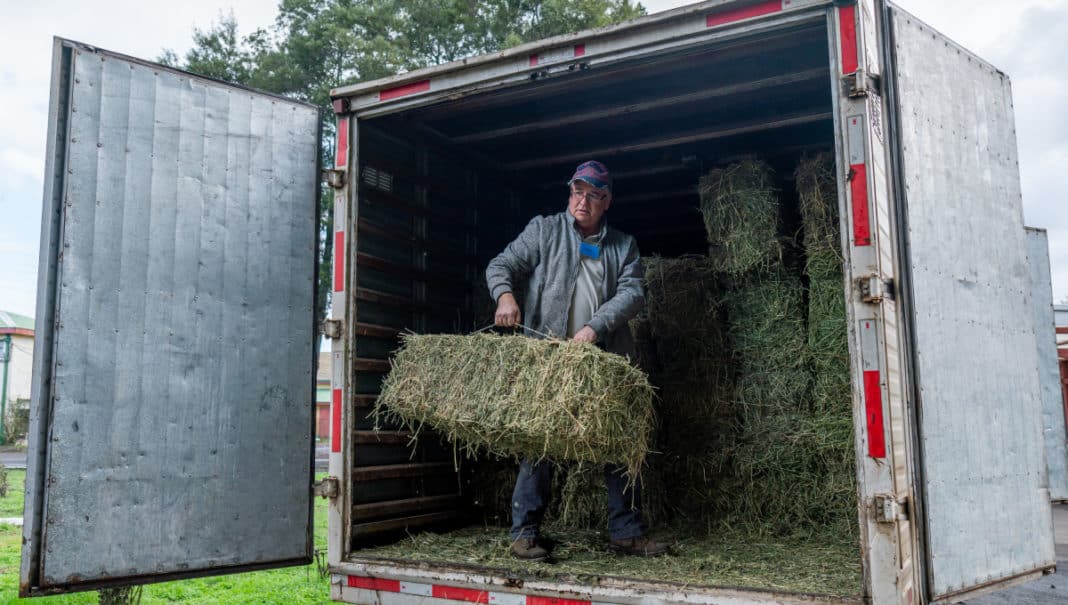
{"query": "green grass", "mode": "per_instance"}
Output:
(294, 585)
(11, 504)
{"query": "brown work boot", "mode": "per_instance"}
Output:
(639, 546)
(528, 549)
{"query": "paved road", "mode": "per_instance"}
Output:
(1048, 590)
(13, 459)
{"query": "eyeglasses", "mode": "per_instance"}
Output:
(590, 195)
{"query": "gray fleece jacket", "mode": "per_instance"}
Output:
(545, 257)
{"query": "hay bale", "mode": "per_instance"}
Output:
(522, 397)
(693, 372)
(768, 340)
(694, 376)
(818, 199)
(740, 205)
(828, 347)
(793, 473)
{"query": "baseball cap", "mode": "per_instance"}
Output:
(594, 173)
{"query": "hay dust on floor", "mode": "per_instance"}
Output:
(814, 564)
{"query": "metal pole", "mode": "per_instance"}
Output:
(3, 390)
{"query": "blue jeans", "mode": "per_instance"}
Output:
(533, 487)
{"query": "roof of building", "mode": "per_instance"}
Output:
(12, 322)
(325, 365)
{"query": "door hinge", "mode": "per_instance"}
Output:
(327, 488)
(861, 84)
(335, 178)
(332, 328)
(889, 509)
(874, 290)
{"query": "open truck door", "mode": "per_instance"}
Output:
(974, 375)
(174, 368)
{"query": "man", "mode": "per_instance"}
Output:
(583, 281)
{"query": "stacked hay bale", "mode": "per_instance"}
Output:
(828, 346)
(694, 375)
(765, 298)
(783, 474)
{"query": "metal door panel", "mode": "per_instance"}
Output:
(1053, 426)
(173, 408)
(973, 338)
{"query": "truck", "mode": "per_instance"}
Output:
(172, 415)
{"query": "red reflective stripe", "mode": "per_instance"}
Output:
(341, 154)
(335, 423)
(531, 600)
(861, 220)
(847, 23)
(580, 49)
(339, 261)
(460, 594)
(873, 411)
(403, 91)
(745, 12)
(374, 584)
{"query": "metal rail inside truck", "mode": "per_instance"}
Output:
(174, 373)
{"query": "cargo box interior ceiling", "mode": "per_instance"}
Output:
(444, 187)
(657, 122)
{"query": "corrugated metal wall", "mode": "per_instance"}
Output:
(182, 402)
(980, 410)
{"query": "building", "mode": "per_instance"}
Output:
(322, 398)
(1060, 315)
(16, 366)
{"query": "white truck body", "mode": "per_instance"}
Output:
(953, 492)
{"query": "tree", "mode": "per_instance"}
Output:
(317, 45)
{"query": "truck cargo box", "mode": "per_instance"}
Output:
(197, 364)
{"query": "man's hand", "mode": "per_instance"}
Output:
(508, 314)
(586, 334)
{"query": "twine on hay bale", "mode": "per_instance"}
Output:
(523, 397)
(740, 205)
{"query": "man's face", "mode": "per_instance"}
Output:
(588, 204)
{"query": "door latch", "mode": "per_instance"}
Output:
(335, 178)
(332, 328)
(874, 290)
(327, 488)
(861, 84)
(889, 509)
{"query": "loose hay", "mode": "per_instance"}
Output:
(740, 205)
(823, 563)
(522, 397)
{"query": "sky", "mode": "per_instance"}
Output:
(1024, 38)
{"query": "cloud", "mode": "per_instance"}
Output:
(16, 162)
